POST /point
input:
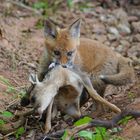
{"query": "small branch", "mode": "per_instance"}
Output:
(11, 133)
(25, 113)
(14, 102)
(103, 123)
(24, 6)
(11, 126)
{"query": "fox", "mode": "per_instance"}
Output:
(51, 93)
(64, 46)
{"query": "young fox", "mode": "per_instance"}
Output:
(65, 47)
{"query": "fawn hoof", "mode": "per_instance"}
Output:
(47, 129)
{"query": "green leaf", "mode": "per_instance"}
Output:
(7, 114)
(40, 5)
(131, 95)
(125, 120)
(40, 24)
(64, 135)
(5, 81)
(83, 121)
(11, 89)
(100, 133)
(70, 3)
(22, 93)
(19, 132)
(88, 135)
(2, 122)
(100, 130)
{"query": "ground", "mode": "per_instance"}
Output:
(22, 42)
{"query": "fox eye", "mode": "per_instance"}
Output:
(69, 53)
(56, 52)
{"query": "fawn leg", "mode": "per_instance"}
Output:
(48, 117)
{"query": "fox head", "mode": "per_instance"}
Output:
(62, 44)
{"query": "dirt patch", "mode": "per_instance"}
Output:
(22, 42)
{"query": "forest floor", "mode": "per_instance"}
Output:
(22, 43)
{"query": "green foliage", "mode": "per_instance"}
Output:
(64, 135)
(40, 24)
(125, 120)
(4, 80)
(40, 5)
(7, 114)
(11, 89)
(70, 3)
(85, 6)
(22, 93)
(88, 135)
(100, 133)
(2, 122)
(83, 121)
(131, 96)
(19, 132)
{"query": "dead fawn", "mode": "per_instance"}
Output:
(43, 94)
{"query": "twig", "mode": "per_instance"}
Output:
(12, 126)
(11, 133)
(12, 103)
(15, 81)
(31, 65)
(24, 6)
(103, 123)
(25, 113)
(26, 121)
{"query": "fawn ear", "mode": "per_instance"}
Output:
(50, 29)
(33, 79)
(74, 29)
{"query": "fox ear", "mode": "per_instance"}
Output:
(50, 29)
(33, 79)
(74, 28)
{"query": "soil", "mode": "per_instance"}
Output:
(22, 43)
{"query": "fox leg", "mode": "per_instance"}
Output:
(124, 76)
(117, 79)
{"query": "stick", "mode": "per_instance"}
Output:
(12, 126)
(24, 6)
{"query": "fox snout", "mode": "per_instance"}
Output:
(64, 66)
(67, 65)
